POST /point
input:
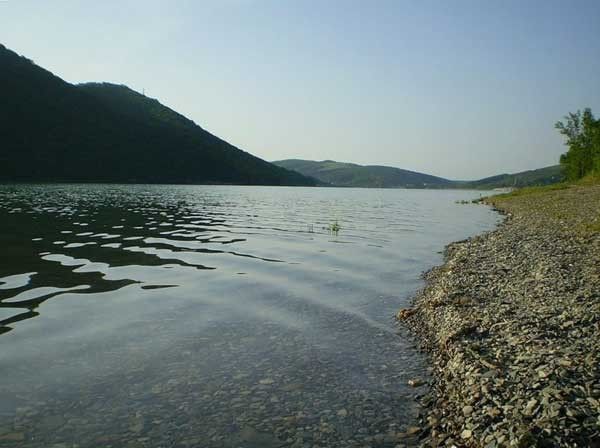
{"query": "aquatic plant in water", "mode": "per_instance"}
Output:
(335, 227)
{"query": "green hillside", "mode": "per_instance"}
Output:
(55, 131)
(541, 176)
(351, 175)
(340, 174)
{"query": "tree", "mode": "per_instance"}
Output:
(582, 132)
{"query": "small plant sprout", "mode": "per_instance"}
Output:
(335, 227)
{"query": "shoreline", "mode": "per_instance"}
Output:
(511, 323)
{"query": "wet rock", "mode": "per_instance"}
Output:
(13, 437)
(412, 430)
(51, 423)
(405, 313)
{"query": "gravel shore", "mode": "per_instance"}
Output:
(512, 325)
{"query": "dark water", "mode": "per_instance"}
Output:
(193, 316)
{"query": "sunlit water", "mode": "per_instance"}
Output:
(196, 316)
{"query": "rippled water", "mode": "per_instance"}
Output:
(185, 316)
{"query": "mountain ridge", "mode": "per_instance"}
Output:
(344, 174)
(54, 131)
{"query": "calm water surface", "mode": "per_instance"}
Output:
(197, 316)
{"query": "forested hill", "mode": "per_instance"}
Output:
(541, 176)
(55, 131)
(351, 175)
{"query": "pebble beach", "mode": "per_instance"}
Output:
(511, 323)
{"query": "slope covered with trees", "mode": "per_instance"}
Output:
(351, 175)
(55, 131)
(542, 176)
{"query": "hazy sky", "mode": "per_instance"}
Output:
(461, 89)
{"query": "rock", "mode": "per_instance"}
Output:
(51, 423)
(13, 437)
(405, 313)
(292, 387)
(464, 301)
(412, 430)
(530, 405)
(137, 427)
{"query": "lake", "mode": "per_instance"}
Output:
(214, 316)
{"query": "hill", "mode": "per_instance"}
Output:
(352, 175)
(541, 176)
(58, 132)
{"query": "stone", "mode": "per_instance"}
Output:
(412, 430)
(13, 437)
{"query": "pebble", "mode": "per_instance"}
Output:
(511, 323)
(13, 437)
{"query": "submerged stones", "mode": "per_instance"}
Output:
(342, 413)
(223, 396)
(416, 382)
(512, 323)
(12, 437)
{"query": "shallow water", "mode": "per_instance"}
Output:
(167, 316)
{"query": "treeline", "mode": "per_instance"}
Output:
(582, 133)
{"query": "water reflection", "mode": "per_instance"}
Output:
(213, 316)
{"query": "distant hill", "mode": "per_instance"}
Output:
(351, 175)
(341, 174)
(542, 176)
(54, 131)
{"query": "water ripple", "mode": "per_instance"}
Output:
(220, 316)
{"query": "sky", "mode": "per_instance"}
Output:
(461, 89)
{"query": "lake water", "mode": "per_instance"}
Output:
(213, 316)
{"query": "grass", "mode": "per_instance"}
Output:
(574, 205)
(525, 191)
(587, 181)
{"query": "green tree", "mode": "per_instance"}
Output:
(582, 133)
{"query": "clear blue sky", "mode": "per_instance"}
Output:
(461, 89)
